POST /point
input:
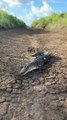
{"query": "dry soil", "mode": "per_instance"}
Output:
(36, 96)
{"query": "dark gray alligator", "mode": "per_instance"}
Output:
(40, 59)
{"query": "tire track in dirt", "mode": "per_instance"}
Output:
(37, 96)
(34, 43)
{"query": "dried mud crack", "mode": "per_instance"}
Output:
(36, 96)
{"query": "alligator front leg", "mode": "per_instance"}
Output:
(41, 69)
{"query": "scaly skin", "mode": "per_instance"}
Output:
(38, 63)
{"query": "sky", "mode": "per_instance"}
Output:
(29, 10)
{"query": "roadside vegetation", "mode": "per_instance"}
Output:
(55, 21)
(9, 21)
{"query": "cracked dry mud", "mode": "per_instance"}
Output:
(36, 96)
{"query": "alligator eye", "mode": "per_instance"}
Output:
(44, 58)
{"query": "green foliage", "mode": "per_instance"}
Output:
(56, 20)
(9, 21)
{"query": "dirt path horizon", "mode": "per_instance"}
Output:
(36, 96)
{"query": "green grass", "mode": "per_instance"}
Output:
(9, 21)
(55, 21)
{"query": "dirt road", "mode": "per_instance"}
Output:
(36, 96)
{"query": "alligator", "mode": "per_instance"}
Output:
(40, 59)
